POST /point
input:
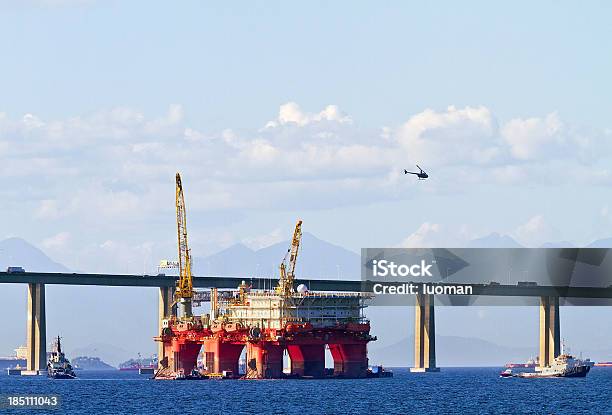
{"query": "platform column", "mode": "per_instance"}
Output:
(222, 356)
(36, 328)
(183, 356)
(264, 360)
(350, 360)
(165, 310)
(307, 359)
(424, 335)
(550, 330)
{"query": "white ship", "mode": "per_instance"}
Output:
(564, 366)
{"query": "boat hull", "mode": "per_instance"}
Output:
(61, 376)
(576, 372)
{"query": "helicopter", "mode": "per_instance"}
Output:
(421, 174)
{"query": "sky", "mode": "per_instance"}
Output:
(274, 111)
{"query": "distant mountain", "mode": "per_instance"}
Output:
(90, 363)
(317, 259)
(452, 351)
(20, 253)
(559, 244)
(601, 243)
(107, 352)
(494, 240)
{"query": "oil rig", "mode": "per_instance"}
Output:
(268, 323)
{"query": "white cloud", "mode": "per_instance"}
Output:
(48, 209)
(426, 236)
(435, 235)
(58, 241)
(534, 137)
(291, 113)
(454, 136)
(117, 166)
(116, 162)
(265, 240)
(535, 232)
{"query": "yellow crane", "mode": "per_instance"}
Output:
(287, 274)
(184, 285)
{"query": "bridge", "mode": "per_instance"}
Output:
(424, 347)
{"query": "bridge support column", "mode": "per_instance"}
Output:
(165, 310)
(550, 330)
(424, 335)
(36, 328)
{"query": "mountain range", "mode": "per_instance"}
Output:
(317, 259)
(18, 252)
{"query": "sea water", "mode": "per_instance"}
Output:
(452, 391)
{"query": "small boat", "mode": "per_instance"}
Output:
(58, 367)
(379, 372)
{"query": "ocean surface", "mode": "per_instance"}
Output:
(452, 391)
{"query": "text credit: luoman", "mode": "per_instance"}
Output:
(421, 288)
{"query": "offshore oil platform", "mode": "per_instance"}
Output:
(269, 323)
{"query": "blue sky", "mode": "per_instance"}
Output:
(275, 110)
(232, 65)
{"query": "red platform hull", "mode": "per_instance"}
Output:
(305, 347)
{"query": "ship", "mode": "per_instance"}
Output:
(564, 366)
(603, 364)
(139, 364)
(17, 361)
(530, 364)
(58, 367)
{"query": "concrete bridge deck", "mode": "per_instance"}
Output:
(160, 281)
(424, 348)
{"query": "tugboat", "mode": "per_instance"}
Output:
(58, 367)
(564, 366)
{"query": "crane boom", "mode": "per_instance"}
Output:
(295, 246)
(287, 274)
(184, 286)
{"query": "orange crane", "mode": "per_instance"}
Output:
(184, 285)
(287, 275)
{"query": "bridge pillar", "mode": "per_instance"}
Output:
(424, 335)
(165, 309)
(36, 328)
(550, 330)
